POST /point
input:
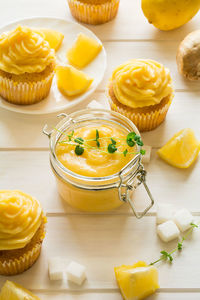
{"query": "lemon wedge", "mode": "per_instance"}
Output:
(138, 281)
(72, 82)
(53, 37)
(83, 51)
(181, 150)
(14, 291)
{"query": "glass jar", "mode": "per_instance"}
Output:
(97, 194)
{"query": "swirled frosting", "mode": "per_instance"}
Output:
(139, 83)
(20, 218)
(24, 51)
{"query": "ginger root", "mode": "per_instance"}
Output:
(188, 56)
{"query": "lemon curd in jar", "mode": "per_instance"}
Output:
(95, 161)
(95, 155)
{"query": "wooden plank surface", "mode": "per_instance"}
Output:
(100, 295)
(20, 131)
(30, 171)
(130, 23)
(91, 240)
(116, 296)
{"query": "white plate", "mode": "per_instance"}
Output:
(56, 101)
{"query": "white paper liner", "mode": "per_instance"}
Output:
(25, 92)
(93, 14)
(19, 265)
(143, 121)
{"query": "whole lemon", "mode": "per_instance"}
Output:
(169, 14)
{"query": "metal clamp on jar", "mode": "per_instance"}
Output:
(97, 194)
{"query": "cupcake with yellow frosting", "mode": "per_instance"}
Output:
(142, 91)
(22, 230)
(26, 66)
(94, 11)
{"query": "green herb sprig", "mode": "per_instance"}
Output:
(168, 256)
(97, 138)
(70, 135)
(132, 139)
(112, 146)
(80, 144)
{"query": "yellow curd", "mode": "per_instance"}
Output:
(96, 162)
(21, 216)
(24, 51)
(139, 83)
(93, 163)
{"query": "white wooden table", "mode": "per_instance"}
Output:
(103, 241)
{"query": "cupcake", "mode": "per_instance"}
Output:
(142, 91)
(93, 11)
(26, 66)
(22, 230)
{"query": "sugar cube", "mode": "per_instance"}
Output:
(168, 231)
(183, 219)
(164, 212)
(94, 104)
(56, 268)
(146, 157)
(76, 273)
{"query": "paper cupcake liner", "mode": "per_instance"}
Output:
(145, 121)
(16, 265)
(21, 264)
(25, 92)
(93, 14)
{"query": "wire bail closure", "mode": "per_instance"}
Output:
(126, 186)
(63, 115)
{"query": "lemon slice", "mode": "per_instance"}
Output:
(181, 150)
(138, 281)
(14, 291)
(83, 51)
(71, 81)
(53, 37)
